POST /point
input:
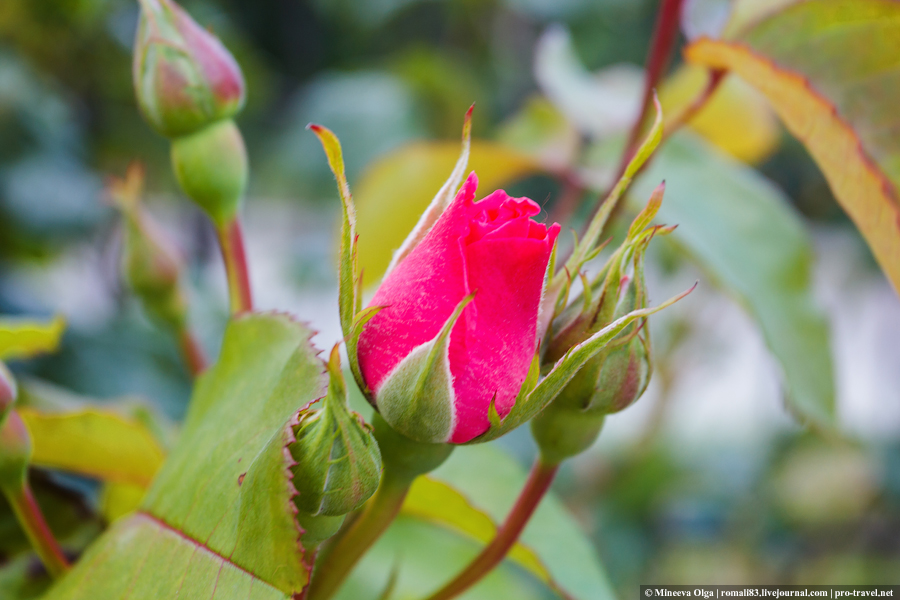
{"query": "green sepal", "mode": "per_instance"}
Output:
(585, 247)
(566, 368)
(349, 293)
(352, 341)
(417, 397)
(15, 452)
(441, 200)
(337, 464)
(623, 376)
(602, 301)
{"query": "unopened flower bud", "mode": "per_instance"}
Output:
(150, 263)
(618, 375)
(458, 330)
(337, 464)
(15, 452)
(184, 78)
(624, 376)
(211, 167)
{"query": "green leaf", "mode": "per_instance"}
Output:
(24, 338)
(742, 231)
(218, 521)
(122, 441)
(475, 489)
(831, 70)
(99, 443)
(438, 502)
(395, 190)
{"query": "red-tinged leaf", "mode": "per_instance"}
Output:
(831, 70)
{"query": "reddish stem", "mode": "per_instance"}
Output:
(231, 238)
(192, 352)
(32, 521)
(536, 487)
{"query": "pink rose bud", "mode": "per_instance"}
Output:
(184, 78)
(458, 331)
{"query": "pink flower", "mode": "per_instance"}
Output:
(491, 248)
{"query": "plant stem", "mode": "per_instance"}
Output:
(536, 487)
(665, 33)
(191, 351)
(32, 521)
(339, 558)
(231, 239)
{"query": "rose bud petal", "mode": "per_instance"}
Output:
(184, 78)
(458, 330)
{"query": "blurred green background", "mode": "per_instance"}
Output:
(673, 494)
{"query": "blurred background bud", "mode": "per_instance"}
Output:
(184, 78)
(150, 262)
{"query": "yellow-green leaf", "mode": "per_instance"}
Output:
(24, 338)
(437, 502)
(94, 442)
(120, 499)
(737, 118)
(831, 70)
(396, 189)
(476, 487)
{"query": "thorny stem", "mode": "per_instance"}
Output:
(339, 558)
(536, 487)
(191, 351)
(231, 239)
(29, 515)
